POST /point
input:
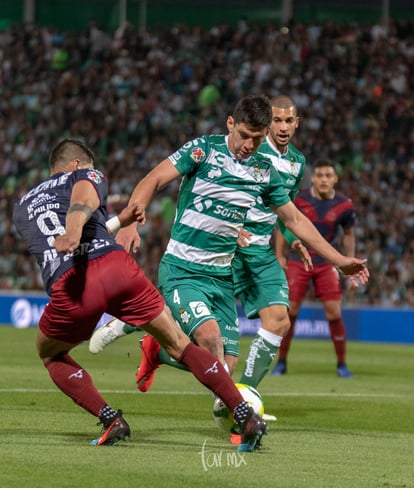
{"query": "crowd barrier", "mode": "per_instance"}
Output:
(370, 324)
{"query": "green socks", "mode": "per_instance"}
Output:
(261, 354)
(128, 329)
(166, 359)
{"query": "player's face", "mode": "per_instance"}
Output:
(324, 180)
(284, 123)
(244, 139)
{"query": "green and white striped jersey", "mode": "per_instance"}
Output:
(215, 195)
(260, 221)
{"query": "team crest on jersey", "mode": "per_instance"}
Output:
(94, 176)
(257, 175)
(184, 315)
(198, 155)
(294, 168)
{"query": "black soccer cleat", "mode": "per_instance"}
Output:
(118, 430)
(252, 430)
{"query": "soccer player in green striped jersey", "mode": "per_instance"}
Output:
(223, 177)
(259, 280)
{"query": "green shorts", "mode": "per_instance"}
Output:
(259, 281)
(194, 298)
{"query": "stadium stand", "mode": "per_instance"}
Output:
(136, 97)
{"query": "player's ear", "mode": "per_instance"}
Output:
(230, 124)
(74, 164)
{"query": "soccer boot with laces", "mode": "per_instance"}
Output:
(105, 335)
(117, 430)
(149, 362)
(343, 371)
(251, 432)
(279, 369)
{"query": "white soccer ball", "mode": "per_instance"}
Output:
(224, 417)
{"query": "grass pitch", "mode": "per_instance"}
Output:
(330, 432)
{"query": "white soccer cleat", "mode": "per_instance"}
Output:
(105, 335)
(269, 418)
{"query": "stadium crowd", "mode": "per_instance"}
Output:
(136, 98)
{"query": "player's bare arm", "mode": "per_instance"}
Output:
(348, 247)
(303, 253)
(281, 248)
(83, 202)
(348, 242)
(130, 214)
(155, 180)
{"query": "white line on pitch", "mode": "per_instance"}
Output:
(265, 394)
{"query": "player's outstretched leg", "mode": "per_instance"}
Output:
(113, 431)
(75, 382)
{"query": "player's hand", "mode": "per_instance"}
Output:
(244, 238)
(356, 270)
(301, 250)
(132, 213)
(129, 238)
(66, 243)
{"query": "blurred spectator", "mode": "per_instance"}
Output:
(136, 98)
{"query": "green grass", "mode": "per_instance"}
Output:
(330, 432)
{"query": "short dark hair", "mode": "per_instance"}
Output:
(69, 149)
(254, 111)
(323, 162)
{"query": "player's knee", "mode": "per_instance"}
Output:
(212, 341)
(278, 324)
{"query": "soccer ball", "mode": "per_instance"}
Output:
(224, 417)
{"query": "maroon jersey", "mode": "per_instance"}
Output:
(330, 216)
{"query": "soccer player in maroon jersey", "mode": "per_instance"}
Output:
(86, 273)
(333, 214)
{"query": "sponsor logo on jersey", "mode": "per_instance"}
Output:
(41, 199)
(283, 294)
(94, 176)
(199, 309)
(198, 155)
(229, 213)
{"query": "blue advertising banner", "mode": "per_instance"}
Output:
(368, 324)
(362, 324)
(24, 310)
